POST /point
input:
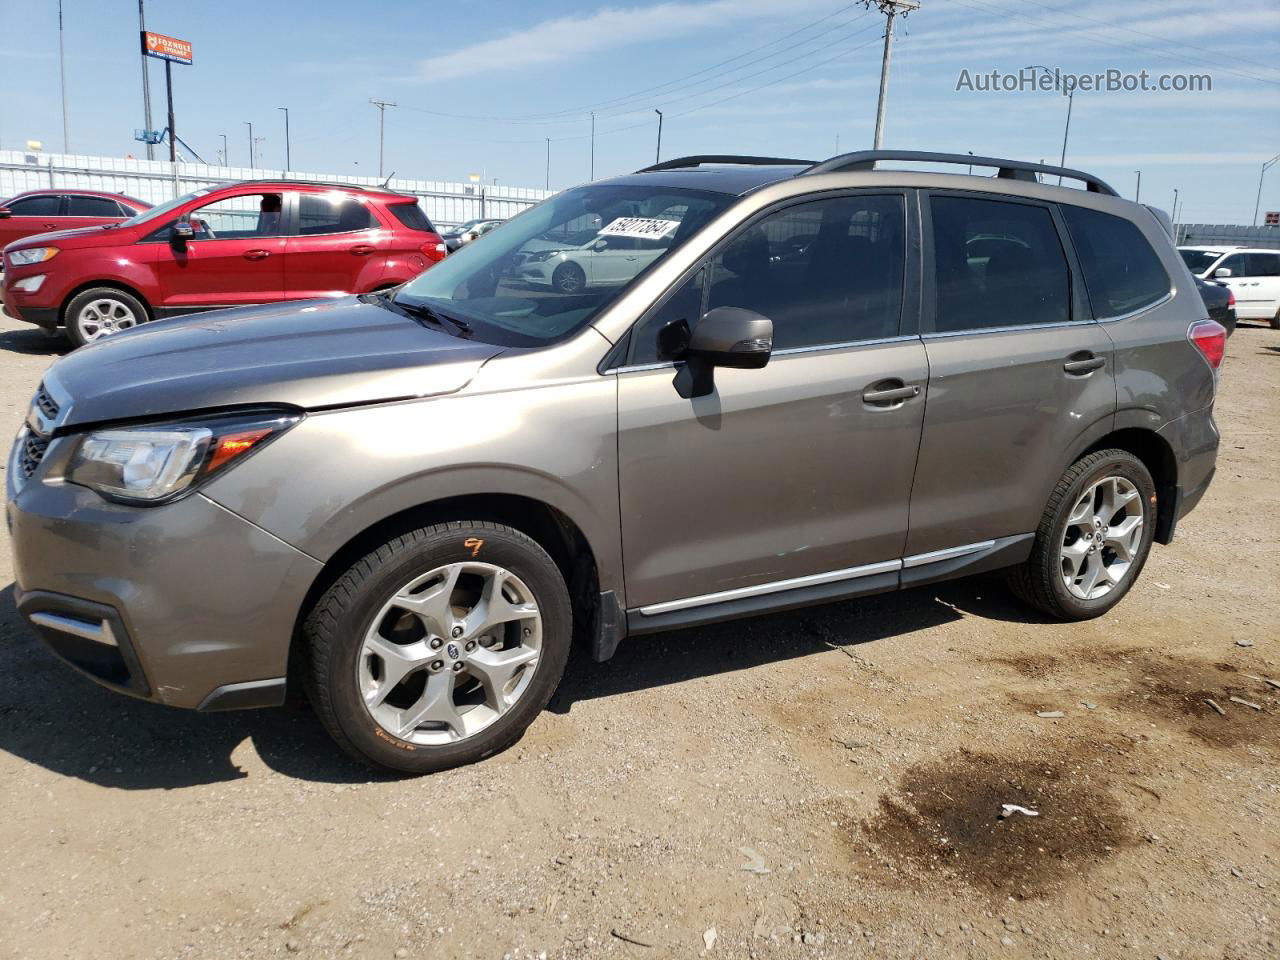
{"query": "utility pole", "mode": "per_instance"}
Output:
(382, 113)
(249, 124)
(593, 145)
(657, 157)
(1258, 202)
(146, 82)
(288, 160)
(226, 157)
(1071, 95)
(548, 183)
(1137, 193)
(62, 73)
(890, 9)
(1174, 215)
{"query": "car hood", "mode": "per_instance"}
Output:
(309, 354)
(82, 234)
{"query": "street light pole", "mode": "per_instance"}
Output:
(1258, 202)
(226, 156)
(146, 80)
(547, 185)
(657, 157)
(593, 145)
(249, 124)
(890, 8)
(288, 160)
(62, 74)
(1071, 96)
(382, 114)
(1137, 193)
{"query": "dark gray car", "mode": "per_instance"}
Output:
(828, 381)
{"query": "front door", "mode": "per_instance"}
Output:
(797, 469)
(1018, 370)
(236, 256)
(1255, 281)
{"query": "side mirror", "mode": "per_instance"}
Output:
(5, 213)
(725, 337)
(600, 245)
(180, 233)
(1222, 273)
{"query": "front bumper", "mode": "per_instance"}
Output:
(185, 604)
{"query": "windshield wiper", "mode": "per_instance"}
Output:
(421, 311)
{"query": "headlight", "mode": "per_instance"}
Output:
(158, 463)
(24, 258)
(544, 256)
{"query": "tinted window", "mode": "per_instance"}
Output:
(682, 309)
(997, 264)
(92, 207)
(1236, 263)
(318, 213)
(824, 272)
(1264, 264)
(411, 215)
(36, 206)
(1198, 261)
(1121, 271)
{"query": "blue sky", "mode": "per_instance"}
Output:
(481, 85)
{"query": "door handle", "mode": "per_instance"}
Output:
(1084, 363)
(256, 254)
(361, 250)
(50, 226)
(881, 394)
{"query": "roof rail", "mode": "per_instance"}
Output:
(1006, 169)
(699, 159)
(378, 188)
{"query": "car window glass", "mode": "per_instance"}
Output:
(232, 218)
(46, 206)
(1264, 264)
(92, 207)
(1236, 263)
(332, 213)
(411, 216)
(1198, 261)
(828, 271)
(996, 264)
(1121, 271)
(684, 307)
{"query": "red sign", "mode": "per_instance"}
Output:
(166, 48)
(1273, 218)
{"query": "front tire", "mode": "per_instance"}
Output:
(439, 647)
(569, 278)
(101, 312)
(1093, 539)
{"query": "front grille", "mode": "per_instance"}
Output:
(33, 448)
(46, 403)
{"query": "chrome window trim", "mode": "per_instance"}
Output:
(1133, 313)
(816, 579)
(789, 352)
(1011, 328)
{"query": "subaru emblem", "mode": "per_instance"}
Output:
(453, 651)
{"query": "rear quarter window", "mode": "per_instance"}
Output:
(1121, 271)
(411, 216)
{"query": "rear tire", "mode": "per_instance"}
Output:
(100, 312)
(1275, 321)
(1093, 539)
(412, 649)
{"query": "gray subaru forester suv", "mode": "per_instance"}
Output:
(717, 387)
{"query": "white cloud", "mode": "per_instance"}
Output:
(567, 37)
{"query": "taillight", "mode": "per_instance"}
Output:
(1210, 339)
(434, 248)
(1231, 299)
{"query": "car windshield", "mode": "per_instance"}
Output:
(544, 274)
(1198, 261)
(161, 209)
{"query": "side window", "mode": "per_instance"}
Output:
(1121, 271)
(1264, 264)
(684, 307)
(1236, 263)
(92, 207)
(996, 264)
(825, 272)
(332, 213)
(46, 206)
(234, 218)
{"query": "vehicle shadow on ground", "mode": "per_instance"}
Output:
(34, 343)
(55, 718)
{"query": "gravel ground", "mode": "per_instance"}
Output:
(822, 783)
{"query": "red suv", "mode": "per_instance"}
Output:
(39, 211)
(259, 241)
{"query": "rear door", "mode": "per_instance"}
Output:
(31, 215)
(799, 468)
(1018, 369)
(337, 246)
(1263, 285)
(235, 258)
(86, 211)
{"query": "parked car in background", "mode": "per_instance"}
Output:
(258, 241)
(465, 233)
(830, 381)
(39, 211)
(1220, 302)
(1253, 274)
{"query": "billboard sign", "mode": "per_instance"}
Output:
(166, 48)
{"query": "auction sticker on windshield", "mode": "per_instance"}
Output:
(641, 227)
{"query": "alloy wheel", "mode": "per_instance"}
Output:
(450, 653)
(1102, 539)
(103, 317)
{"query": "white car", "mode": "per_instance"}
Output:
(604, 261)
(1252, 274)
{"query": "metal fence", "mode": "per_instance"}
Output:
(1227, 235)
(155, 181)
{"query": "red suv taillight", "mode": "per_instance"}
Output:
(434, 248)
(1231, 299)
(1210, 339)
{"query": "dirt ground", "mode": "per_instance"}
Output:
(823, 783)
